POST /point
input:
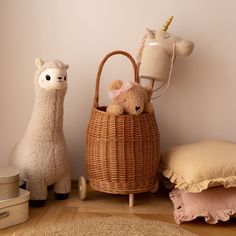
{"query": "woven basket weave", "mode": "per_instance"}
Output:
(122, 151)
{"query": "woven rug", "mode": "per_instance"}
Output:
(108, 226)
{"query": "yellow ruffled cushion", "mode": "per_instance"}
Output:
(198, 166)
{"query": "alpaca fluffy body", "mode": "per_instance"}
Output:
(41, 157)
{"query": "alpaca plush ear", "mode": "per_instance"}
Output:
(66, 66)
(38, 62)
(116, 84)
(151, 33)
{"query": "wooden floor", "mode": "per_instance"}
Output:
(147, 205)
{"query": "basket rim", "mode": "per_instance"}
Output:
(110, 114)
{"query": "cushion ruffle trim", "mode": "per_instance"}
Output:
(181, 183)
(211, 216)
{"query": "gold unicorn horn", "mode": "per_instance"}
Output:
(166, 25)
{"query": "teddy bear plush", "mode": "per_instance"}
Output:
(129, 98)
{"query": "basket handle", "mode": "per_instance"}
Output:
(135, 68)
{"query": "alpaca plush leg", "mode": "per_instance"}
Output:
(63, 187)
(38, 192)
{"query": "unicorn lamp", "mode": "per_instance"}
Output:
(157, 54)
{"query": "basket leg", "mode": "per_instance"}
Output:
(156, 187)
(82, 188)
(131, 200)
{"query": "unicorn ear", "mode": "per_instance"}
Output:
(38, 62)
(66, 66)
(151, 33)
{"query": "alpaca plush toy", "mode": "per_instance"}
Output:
(41, 157)
(129, 98)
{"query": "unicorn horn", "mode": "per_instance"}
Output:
(166, 25)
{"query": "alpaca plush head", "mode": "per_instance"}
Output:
(129, 98)
(51, 74)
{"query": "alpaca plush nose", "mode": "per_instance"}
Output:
(137, 108)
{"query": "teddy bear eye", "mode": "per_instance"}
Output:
(48, 77)
(125, 100)
(65, 78)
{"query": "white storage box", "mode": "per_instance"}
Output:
(9, 183)
(15, 210)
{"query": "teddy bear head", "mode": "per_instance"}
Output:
(130, 98)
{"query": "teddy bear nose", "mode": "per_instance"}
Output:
(137, 108)
(60, 78)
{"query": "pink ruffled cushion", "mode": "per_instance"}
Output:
(213, 204)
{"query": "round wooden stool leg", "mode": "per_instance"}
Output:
(131, 200)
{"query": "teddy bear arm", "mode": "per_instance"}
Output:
(115, 109)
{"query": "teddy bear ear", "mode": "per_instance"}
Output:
(115, 84)
(39, 62)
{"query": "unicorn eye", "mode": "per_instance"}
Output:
(48, 77)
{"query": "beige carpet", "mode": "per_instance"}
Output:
(108, 226)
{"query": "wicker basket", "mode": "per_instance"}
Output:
(122, 151)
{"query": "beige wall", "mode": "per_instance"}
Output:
(200, 103)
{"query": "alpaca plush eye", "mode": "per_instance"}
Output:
(48, 77)
(65, 78)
